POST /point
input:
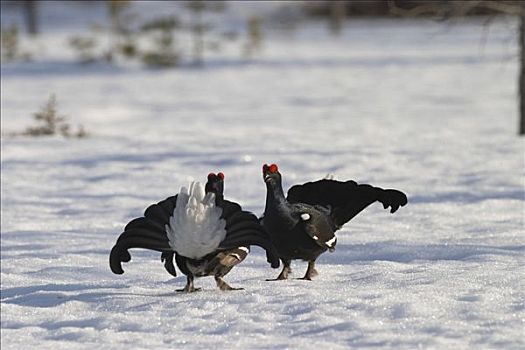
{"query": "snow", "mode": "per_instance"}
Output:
(428, 108)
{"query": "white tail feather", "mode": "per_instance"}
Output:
(195, 229)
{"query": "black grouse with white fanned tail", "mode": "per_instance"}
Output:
(205, 233)
(303, 225)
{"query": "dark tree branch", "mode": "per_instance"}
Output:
(31, 16)
(521, 87)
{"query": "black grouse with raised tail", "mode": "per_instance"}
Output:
(207, 234)
(303, 224)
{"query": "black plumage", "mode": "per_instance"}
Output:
(303, 225)
(242, 230)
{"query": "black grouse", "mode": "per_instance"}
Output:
(207, 234)
(303, 224)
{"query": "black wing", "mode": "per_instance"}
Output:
(149, 232)
(243, 229)
(146, 232)
(318, 224)
(344, 200)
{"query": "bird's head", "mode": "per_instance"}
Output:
(215, 184)
(271, 174)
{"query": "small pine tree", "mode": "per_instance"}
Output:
(254, 37)
(116, 9)
(164, 52)
(85, 47)
(51, 122)
(199, 27)
(10, 43)
(49, 118)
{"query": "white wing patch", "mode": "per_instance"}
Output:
(331, 242)
(236, 256)
(195, 229)
(305, 216)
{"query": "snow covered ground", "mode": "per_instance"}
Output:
(425, 107)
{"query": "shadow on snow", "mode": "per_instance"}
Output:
(406, 253)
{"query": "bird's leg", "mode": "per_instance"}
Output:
(223, 285)
(310, 271)
(284, 273)
(189, 288)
